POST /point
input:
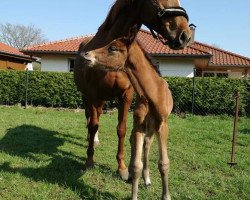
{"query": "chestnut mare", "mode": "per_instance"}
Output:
(154, 105)
(98, 85)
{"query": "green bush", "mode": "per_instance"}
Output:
(53, 89)
(212, 95)
(44, 89)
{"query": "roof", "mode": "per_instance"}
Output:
(218, 57)
(11, 51)
(155, 47)
(70, 45)
(222, 57)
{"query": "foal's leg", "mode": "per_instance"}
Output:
(163, 163)
(137, 140)
(147, 143)
(125, 103)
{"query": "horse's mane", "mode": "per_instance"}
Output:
(114, 12)
(149, 58)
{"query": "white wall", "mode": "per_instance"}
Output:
(179, 68)
(235, 74)
(168, 67)
(55, 63)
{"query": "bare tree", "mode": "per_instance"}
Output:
(20, 36)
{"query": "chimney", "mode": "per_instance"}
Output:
(192, 28)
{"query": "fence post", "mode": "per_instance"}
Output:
(236, 117)
(193, 91)
(26, 87)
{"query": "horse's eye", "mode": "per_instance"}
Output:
(112, 49)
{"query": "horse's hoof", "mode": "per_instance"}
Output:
(89, 165)
(166, 197)
(147, 182)
(123, 174)
(96, 143)
(130, 180)
(147, 185)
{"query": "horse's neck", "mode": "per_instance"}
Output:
(128, 17)
(147, 79)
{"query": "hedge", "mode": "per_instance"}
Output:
(48, 89)
(212, 95)
(53, 89)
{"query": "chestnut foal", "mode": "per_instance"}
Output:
(154, 105)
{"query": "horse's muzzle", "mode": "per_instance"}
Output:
(180, 41)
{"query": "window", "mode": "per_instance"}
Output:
(71, 63)
(214, 74)
(222, 75)
(208, 74)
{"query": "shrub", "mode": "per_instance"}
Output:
(53, 89)
(212, 95)
(44, 88)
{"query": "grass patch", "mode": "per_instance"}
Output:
(43, 151)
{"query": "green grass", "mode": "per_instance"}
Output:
(43, 151)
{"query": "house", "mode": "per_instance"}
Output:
(11, 58)
(199, 58)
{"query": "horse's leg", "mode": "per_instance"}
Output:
(99, 112)
(94, 111)
(147, 143)
(87, 115)
(163, 163)
(125, 103)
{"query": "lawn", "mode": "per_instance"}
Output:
(42, 155)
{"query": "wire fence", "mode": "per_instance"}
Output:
(212, 97)
(198, 96)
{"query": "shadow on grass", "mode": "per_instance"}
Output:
(245, 131)
(64, 168)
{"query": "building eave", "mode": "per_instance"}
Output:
(16, 56)
(180, 55)
(229, 66)
(37, 53)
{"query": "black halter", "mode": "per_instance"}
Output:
(171, 11)
(166, 12)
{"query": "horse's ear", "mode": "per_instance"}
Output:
(133, 32)
(131, 35)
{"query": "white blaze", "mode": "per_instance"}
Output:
(179, 3)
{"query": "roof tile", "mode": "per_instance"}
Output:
(4, 48)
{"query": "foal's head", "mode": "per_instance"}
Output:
(111, 57)
(115, 55)
(169, 19)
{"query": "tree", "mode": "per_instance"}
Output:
(20, 36)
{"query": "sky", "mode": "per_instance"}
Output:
(222, 23)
